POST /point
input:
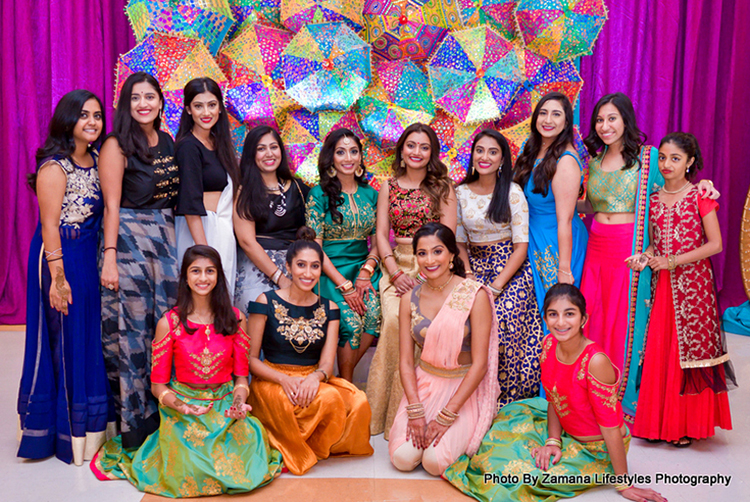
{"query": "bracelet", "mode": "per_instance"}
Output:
(275, 276)
(164, 393)
(55, 259)
(374, 258)
(415, 411)
(56, 252)
(368, 267)
(494, 290)
(360, 278)
(553, 442)
(345, 286)
(421, 278)
(648, 254)
(621, 487)
(396, 276)
(349, 292)
(242, 386)
(387, 256)
(325, 375)
(672, 262)
(446, 417)
(110, 247)
(566, 272)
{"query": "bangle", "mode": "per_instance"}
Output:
(672, 262)
(421, 278)
(325, 375)
(275, 276)
(345, 286)
(242, 386)
(621, 487)
(348, 292)
(164, 393)
(566, 272)
(368, 267)
(360, 278)
(55, 259)
(553, 442)
(395, 276)
(648, 254)
(110, 247)
(446, 417)
(415, 411)
(373, 258)
(387, 256)
(494, 290)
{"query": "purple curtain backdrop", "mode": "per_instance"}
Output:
(684, 64)
(681, 61)
(48, 49)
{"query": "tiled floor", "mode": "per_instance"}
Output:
(52, 480)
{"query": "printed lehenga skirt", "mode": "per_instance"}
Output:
(251, 282)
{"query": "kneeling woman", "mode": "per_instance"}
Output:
(309, 414)
(207, 442)
(450, 397)
(579, 433)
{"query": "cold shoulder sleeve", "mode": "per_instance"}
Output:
(162, 353)
(257, 308)
(190, 164)
(603, 400)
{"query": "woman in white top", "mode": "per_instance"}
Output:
(493, 238)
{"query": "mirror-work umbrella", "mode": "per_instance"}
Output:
(497, 13)
(174, 61)
(408, 28)
(326, 67)
(304, 133)
(206, 20)
(455, 143)
(398, 97)
(297, 13)
(379, 164)
(247, 12)
(560, 29)
(475, 74)
(519, 133)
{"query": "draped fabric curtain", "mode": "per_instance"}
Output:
(684, 64)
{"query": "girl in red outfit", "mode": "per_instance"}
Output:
(686, 366)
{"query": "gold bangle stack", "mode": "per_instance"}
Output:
(553, 442)
(672, 262)
(415, 411)
(621, 487)
(163, 394)
(446, 417)
(346, 288)
(242, 386)
(276, 275)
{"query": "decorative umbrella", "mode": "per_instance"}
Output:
(398, 97)
(496, 13)
(379, 164)
(174, 61)
(399, 29)
(304, 133)
(247, 12)
(455, 143)
(326, 67)
(206, 20)
(475, 74)
(542, 76)
(255, 94)
(560, 29)
(237, 130)
(519, 133)
(297, 13)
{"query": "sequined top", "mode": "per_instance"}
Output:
(358, 215)
(582, 402)
(205, 357)
(420, 323)
(612, 192)
(408, 209)
(154, 185)
(82, 201)
(473, 226)
(293, 334)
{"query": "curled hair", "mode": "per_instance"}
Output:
(499, 209)
(447, 237)
(436, 183)
(568, 291)
(547, 168)
(332, 185)
(219, 132)
(60, 141)
(305, 240)
(225, 320)
(253, 201)
(632, 137)
(129, 133)
(688, 144)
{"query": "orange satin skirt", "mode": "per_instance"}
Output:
(337, 422)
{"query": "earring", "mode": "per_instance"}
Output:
(403, 164)
(473, 169)
(451, 264)
(331, 172)
(359, 172)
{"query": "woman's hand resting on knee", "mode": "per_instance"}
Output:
(434, 433)
(415, 431)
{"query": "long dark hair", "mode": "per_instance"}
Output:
(436, 183)
(305, 239)
(447, 237)
(129, 134)
(632, 137)
(225, 320)
(569, 291)
(220, 131)
(499, 209)
(252, 203)
(544, 173)
(60, 141)
(332, 185)
(688, 144)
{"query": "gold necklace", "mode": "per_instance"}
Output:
(672, 192)
(440, 288)
(207, 329)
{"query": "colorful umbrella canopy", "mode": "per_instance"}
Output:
(455, 143)
(379, 164)
(398, 97)
(206, 20)
(297, 13)
(255, 94)
(475, 74)
(174, 61)
(497, 13)
(519, 133)
(247, 12)
(560, 29)
(399, 29)
(541, 76)
(304, 133)
(326, 67)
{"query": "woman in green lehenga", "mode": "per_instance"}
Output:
(207, 443)
(341, 210)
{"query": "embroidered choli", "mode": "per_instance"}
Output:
(83, 193)
(293, 334)
(612, 192)
(408, 209)
(582, 402)
(420, 323)
(205, 357)
(473, 226)
(358, 215)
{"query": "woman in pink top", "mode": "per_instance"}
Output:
(573, 442)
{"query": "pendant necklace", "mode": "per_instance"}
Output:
(207, 327)
(440, 288)
(281, 206)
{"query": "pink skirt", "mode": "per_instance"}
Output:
(606, 286)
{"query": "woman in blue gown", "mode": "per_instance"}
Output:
(64, 401)
(550, 173)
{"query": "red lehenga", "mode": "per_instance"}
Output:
(684, 380)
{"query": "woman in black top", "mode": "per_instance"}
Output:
(139, 181)
(208, 175)
(270, 208)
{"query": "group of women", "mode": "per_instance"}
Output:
(228, 291)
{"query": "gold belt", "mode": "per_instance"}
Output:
(444, 372)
